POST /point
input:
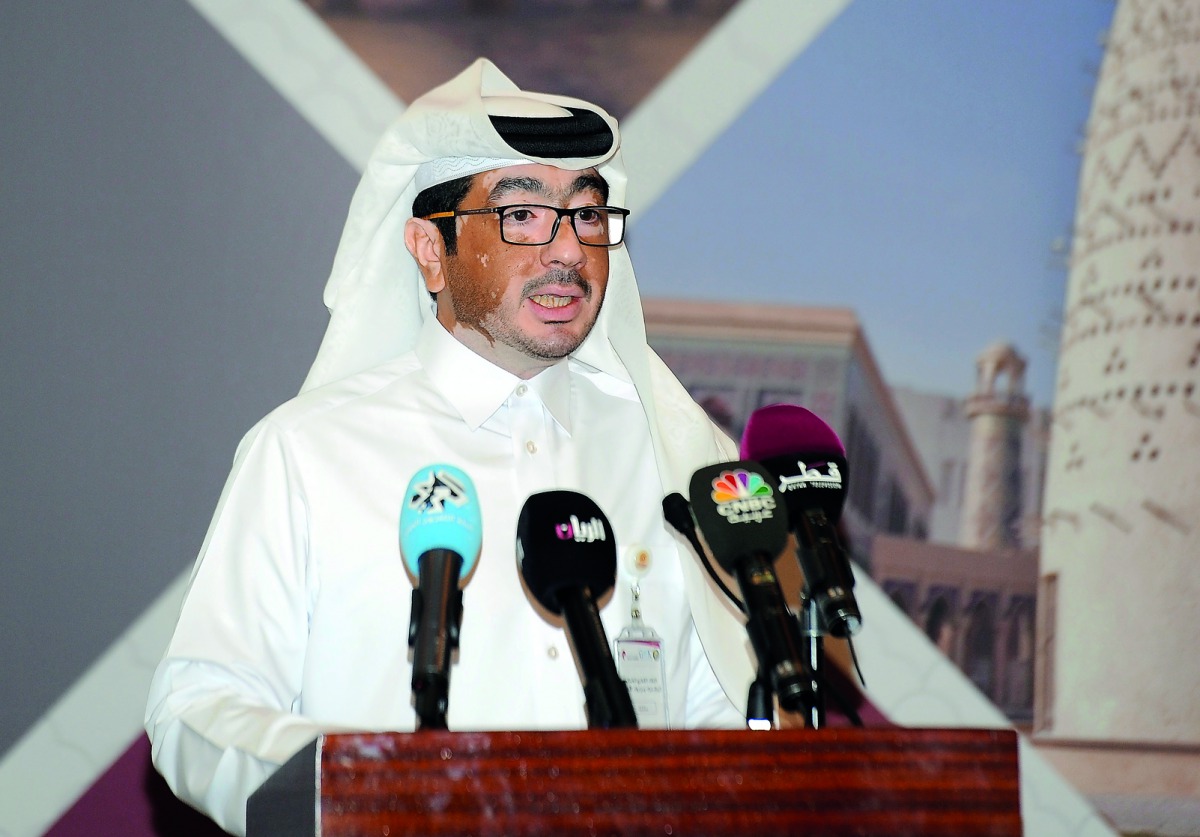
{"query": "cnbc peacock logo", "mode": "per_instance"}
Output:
(743, 497)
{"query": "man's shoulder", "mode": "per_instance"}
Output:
(388, 381)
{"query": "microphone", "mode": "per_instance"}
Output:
(746, 530)
(568, 560)
(440, 539)
(808, 464)
(678, 512)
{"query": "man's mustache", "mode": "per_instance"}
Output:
(560, 278)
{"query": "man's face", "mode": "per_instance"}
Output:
(524, 307)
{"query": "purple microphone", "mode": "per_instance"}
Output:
(808, 462)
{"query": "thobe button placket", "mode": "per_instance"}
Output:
(531, 430)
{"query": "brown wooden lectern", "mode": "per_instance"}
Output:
(881, 781)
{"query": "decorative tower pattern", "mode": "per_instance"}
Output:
(997, 410)
(1121, 538)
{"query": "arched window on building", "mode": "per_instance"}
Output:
(1017, 697)
(979, 644)
(939, 625)
(862, 450)
(895, 515)
(903, 595)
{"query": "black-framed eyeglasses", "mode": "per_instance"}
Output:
(533, 224)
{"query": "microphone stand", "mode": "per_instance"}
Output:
(814, 648)
(433, 634)
(804, 693)
(760, 712)
(813, 634)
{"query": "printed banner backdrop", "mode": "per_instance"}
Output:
(176, 178)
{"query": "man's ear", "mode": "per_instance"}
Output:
(424, 242)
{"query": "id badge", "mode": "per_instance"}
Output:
(642, 665)
(639, 654)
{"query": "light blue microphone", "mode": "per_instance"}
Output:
(440, 539)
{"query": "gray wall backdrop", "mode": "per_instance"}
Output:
(166, 226)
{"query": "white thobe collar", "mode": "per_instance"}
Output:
(477, 388)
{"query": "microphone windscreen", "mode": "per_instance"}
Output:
(440, 511)
(678, 512)
(783, 429)
(738, 512)
(804, 456)
(564, 541)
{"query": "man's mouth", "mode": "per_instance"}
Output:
(552, 300)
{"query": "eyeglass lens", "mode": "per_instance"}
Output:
(533, 224)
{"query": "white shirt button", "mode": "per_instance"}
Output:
(552, 652)
(531, 447)
(522, 389)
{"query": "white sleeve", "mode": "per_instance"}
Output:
(220, 713)
(212, 743)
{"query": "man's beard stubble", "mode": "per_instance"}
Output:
(479, 310)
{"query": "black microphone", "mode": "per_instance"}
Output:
(746, 530)
(569, 560)
(440, 539)
(807, 463)
(678, 512)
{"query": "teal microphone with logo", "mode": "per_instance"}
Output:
(441, 533)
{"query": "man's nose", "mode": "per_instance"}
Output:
(565, 247)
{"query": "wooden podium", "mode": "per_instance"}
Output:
(878, 781)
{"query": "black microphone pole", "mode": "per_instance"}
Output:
(433, 632)
(605, 694)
